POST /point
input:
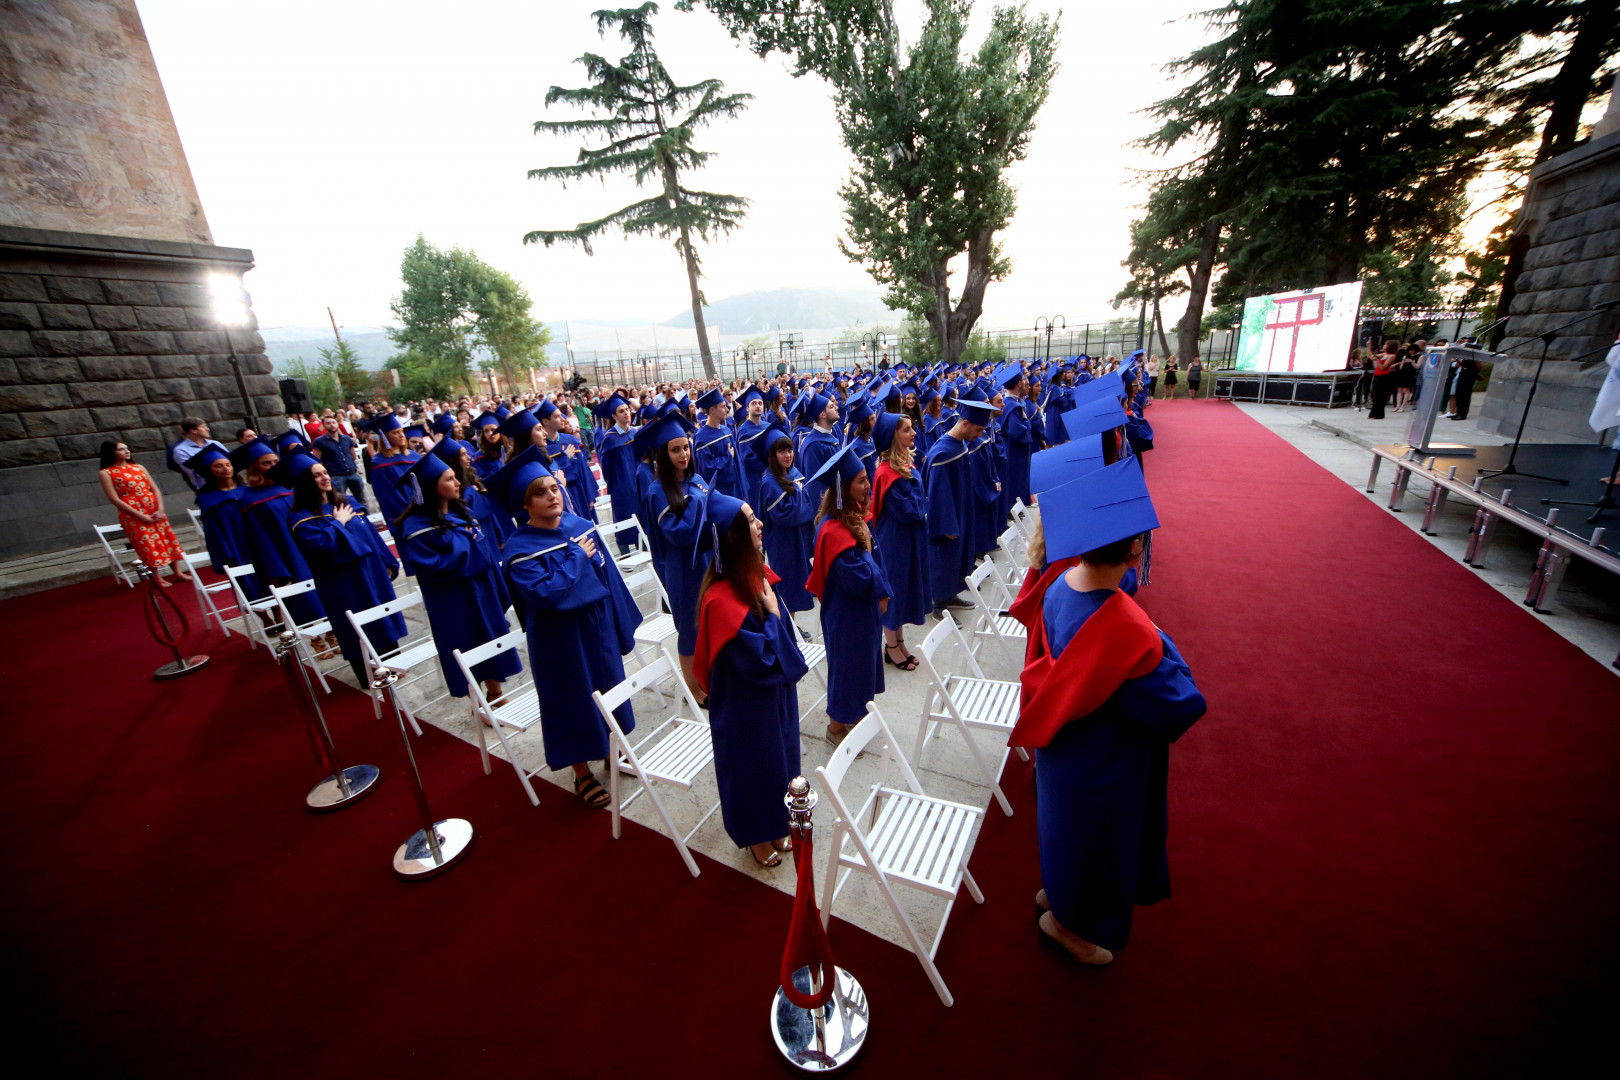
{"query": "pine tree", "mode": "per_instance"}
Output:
(342, 363)
(649, 122)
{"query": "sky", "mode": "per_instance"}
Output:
(326, 134)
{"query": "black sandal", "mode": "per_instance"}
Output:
(908, 664)
(590, 789)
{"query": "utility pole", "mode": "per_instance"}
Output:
(1141, 322)
(335, 333)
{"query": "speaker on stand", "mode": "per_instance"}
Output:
(295, 395)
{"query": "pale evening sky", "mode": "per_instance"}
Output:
(325, 134)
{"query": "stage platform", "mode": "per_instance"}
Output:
(1328, 389)
(1519, 499)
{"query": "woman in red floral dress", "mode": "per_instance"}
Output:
(132, 490)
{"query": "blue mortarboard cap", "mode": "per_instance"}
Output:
(289, 468)
(749, 395)
(203, 460)
(383, 424)
(711, 398)
(288, 441)
(607, 408)
(443, 424)
(652, 436)
(517, 426)
(716, 513)
(928, 394)
(1109, 387)
(976, 411)
(814, 406)
(502, 412)
(1007, 373)
(544, 409)
(415, 431)
(883, 429)
(448, 451)
(486, 419)
(247, 454)
(771, 395)
(858, 409)
(843, 466)
(426, 471)
(763, 445)
(1059, 465)
(508, 483)
(1094, 418)
(1099, 508)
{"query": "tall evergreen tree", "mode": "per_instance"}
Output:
(649, 122)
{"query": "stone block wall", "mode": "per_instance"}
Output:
(102, 338)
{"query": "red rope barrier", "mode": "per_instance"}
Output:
(807, 944)
(156, 624)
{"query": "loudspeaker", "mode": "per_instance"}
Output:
(295, 395)
(1372, 333)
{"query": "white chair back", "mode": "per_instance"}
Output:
(516, 710)
(116, 556)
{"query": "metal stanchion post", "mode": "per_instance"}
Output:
(436, 846)
(342, 786)
(157, 624)
(826, 1038)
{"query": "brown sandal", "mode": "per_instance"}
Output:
(590, 789)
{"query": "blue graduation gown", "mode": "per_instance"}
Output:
(684, 566)
(617, 456)
(1058, 401)
(1019, 422)
(866, 451)
(226, 536)
(580, 620)
(1101, 787)
(789, 536)
(353, 570)
(900, 534)
(753, 467)
(991, 513)
(494, 523)
(276, 557)
(853, 632)
(646, 480)
(486, 465)
(715, 452)
(462, 590)
(947, 477)
(754, 722)
(387, 476)
(581, 490)
(818, 447)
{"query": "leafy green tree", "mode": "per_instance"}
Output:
(342, 362)
(649, 123)
(425, 376)
(512, 339)
(932, 131)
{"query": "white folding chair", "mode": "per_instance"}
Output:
(416, 655)
(973, 702)
(307, 632)
(515, 711)
(636, 559)
(257, 615)
(992, 622)
(196, 522)
(604, 505)
(206, 593)
(657, 625)
(899, 836)
(1013, 545)
(116, 556)
(674, 752)
(1024, 518)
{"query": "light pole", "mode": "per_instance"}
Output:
(230, 304)
(1052, 323)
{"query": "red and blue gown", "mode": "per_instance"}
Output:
(788, 534)
(715, 454)
(276, 557)
(900, 534)
(1020, 423)
(580, 620)
(353, 570)
(749, 665)
(581, 490)
(459, 572)
(849, 581)
(753, 467)
(683, 565)
(947, 476)
(1105, 693)
(616, 454)
(225, 534)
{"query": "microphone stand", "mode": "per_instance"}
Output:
(1510, 469)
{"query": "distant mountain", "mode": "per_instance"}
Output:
(791, 309)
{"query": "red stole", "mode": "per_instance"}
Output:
(832, 541)
(720, 615)
(1027, 607)
(886, 475)
(1119, 642)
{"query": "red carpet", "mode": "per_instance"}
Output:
(1393, 845)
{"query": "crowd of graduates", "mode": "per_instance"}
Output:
(871, 493)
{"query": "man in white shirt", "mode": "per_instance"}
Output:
(195, 433)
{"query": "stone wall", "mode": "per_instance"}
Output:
(1572, 265)
(105, 337)
(87, 141)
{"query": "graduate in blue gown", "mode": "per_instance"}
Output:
(900, 534)
(580, 620)
(996, 514)
(675, 507)
(276, 558)
(1056, 402)
(352, 567)
(748, 663)
(783, 504)
(494, 523)
(859, 420)
(755, 423)
(569, 455)
(853, 590)
(219, 504)
(490, 451)
(459, 572)
(820, 442)
(615, 452)
(1105, 693)
(953, 506)
(714, 449)
(1019, 424)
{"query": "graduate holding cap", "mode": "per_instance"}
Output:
(714, 448)
(854, 591)
(747, 662)
(1104, 694)
(675, 505)
(900, 533)
(615, 452)
(352, 567)
(458, 567)
(784, 506)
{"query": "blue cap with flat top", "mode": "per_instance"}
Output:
(444, 424)
(1105, 386)
(289, 441)
(1059, 465)
(710, 399)
(764, 445)
(607, 408)
(1007, 374)
(508, 484)
(289, 468)
(249, 453)
(1094, 418)
(425, 473)
(842, 467)
(1099, 508)
(517, 426)
(486, 419)
(883, 430)
(381, 425)
(977, 411)
(659, 432)
(203, 460)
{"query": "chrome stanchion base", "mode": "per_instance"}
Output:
(176, 668)
(414, 859)
(327, 795)
(826, 1039)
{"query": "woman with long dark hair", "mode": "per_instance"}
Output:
(854, 592)
(219, 504)
(749, 665)
(900, 534)
(788, 516)
(675, 507)
(133, 492)
(442, 543)
(491, 517)
(352, 567)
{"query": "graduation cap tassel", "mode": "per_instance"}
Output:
(715, 531)
(1147, 561)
